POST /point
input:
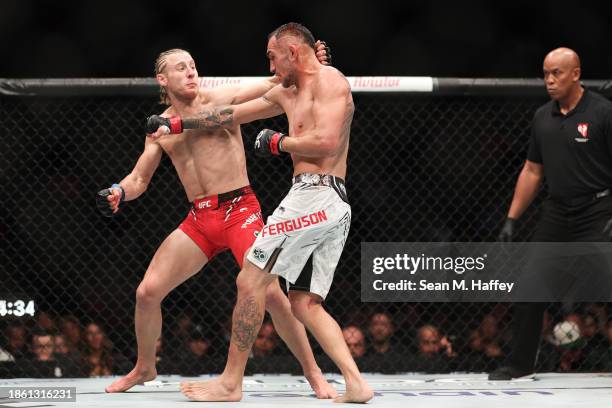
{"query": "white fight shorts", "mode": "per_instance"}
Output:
(306, 234)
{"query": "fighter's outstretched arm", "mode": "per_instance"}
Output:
(235, 95)
(218, 117)
(260, 108)
(134, 184)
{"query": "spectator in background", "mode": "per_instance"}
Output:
(41, 362)
(99, 357)
(72, 359)
(180, 332)
(61, 344)
(44, 321)
(197, 343)
(600, 314)
(71, 328)
(355, 340)
(607, 365)
(267, 356)
(8, 365)
(489, 335)
(595, 345)
(195, 358)
(590, 328)
(42, 346)
(485, 344)
(435, 353)
(266, 342)
(44, 363)
(575, 318)
(381, 329)
(16, 340)
(384, 354)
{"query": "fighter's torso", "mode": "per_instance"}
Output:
(300, 107)
(207, 162)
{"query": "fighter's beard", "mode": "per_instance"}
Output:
(289, 80)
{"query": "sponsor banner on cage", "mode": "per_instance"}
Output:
(486, 272)
(357, 83)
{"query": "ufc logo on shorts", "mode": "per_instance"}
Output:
(204, 204)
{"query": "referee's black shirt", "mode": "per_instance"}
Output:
(575, 149)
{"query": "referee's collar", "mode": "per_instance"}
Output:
(580, 106)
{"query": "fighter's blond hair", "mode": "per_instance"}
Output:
(160, 65)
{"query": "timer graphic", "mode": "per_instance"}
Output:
(18, 307)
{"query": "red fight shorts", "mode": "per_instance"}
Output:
(230, 220)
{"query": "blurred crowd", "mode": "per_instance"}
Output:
(381, 341)
(577, 342)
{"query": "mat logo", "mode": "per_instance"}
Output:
(583, 129)
(457, 393)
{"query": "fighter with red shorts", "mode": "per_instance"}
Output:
(230, 220)
(211, 165)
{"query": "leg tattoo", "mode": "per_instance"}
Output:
(246, 323)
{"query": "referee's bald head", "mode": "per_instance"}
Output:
(564, 55)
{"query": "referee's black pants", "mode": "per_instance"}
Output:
(560, 222)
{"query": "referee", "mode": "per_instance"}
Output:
(570, 146)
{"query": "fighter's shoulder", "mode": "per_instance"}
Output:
(218, 95)
(331, 79)
(278, 92)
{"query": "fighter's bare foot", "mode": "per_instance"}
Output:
(320, 386)
(213, 390)
(136, 376)
(357, 392)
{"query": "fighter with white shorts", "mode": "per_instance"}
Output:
(305, 235)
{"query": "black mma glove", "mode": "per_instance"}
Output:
(269, 143)
(507, 231)
(104, 206)
(327, 52)
(174, 123)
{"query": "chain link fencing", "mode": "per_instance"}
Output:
(422, 167)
